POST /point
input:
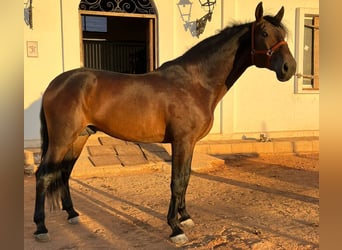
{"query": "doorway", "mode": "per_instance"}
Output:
(118, 41)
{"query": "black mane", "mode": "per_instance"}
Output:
(206, 47)
(202, 50)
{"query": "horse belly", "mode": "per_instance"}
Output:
(132, 122)
(130, 107)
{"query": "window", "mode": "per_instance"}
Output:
(94, 23)
(307, 50)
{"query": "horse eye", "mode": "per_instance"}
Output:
(264, 34)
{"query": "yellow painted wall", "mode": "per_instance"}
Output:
(256, 103)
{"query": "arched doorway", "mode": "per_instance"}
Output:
(118, 35)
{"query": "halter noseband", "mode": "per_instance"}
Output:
(267, 52)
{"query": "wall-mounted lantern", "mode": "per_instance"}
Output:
(28, 13)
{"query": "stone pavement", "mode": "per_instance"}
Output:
(104, 155)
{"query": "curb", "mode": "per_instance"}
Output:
(281, 145)
(204, 156)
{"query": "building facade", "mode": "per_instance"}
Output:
(66, 34)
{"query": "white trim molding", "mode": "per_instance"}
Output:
(301, 14)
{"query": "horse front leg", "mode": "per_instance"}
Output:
(185, 218)
(181, 167)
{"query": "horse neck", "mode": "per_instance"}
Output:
(220, 60)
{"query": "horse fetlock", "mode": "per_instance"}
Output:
(71, 213)
(39, 219)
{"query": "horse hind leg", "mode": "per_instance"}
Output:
(67, 166)
(48, 182)
(52, 180)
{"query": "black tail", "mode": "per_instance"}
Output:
(43, 133)
(52, 173)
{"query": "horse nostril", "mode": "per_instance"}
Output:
(285, 67)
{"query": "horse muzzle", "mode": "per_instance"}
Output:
(286, 69)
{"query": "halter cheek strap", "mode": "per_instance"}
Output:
(268, 52)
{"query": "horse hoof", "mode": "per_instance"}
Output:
(74, 220)
(188, 223)
(44, 237)
(179, 239)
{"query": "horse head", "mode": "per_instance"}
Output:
(269, 48)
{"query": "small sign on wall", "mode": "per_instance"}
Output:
(32, 48)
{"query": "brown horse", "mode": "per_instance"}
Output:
(173, 104)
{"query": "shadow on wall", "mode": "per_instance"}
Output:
(32, 121)
(196, 27)
(185, 8)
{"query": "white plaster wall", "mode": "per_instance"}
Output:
(58, 37)
(38, 71)
(261, 102)
(165, 32)
(71, 34)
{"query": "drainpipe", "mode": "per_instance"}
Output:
(62, 32)
(221, 102)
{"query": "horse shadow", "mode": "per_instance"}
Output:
(155, 152)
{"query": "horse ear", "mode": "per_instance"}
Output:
(259, 12)
(279, 15)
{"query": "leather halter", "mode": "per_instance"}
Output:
(267, 52)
